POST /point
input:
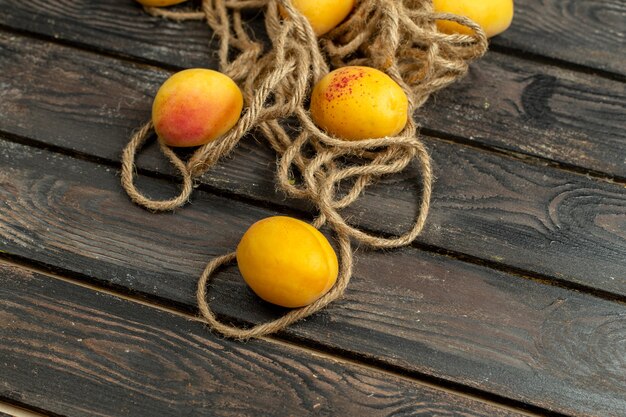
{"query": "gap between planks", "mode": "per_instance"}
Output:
(18, 411)
(485, 397)
(533, 160)
(557, 62)
(526, 158)
(459, 256)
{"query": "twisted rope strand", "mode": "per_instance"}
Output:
(128, 173)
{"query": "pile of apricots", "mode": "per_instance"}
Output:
(283, 260)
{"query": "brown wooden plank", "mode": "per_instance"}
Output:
(420, 313)
(587, 32)
(572, 118)
(121, 26)
(566, 116)
(74, 351)
(533, 218)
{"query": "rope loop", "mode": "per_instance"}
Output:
(128, 173)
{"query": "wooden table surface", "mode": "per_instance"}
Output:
(512, 301)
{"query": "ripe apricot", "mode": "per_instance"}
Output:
(160, 3)
(494, 16)
(324, 15)
(196, 106)
(355, 103)
(286, 261)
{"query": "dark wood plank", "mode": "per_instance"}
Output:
(569, 117)
(117, 25)
(572, 118)
(422, 313)
(533, 218)
(73, 351)
(586, 32)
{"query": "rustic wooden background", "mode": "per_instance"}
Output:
(512, 301)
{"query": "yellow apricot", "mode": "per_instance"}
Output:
(160, 3)
(324, 15)
(196, 106)
(286, 261)
(494, 16)
(355, 103)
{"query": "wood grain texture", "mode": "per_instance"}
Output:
(572, 118)
(495, 208)
(76, 352)
(423, 313)
(586, 32)
(521, 106)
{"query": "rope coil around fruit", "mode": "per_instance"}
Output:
(263, 329)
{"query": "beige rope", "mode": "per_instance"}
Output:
(128, 173)
(398, 37)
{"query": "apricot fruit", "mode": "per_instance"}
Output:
(323, 15)
(160, 3)
(355, 103)
(494, 16)
(196, 106)
(286, 261)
